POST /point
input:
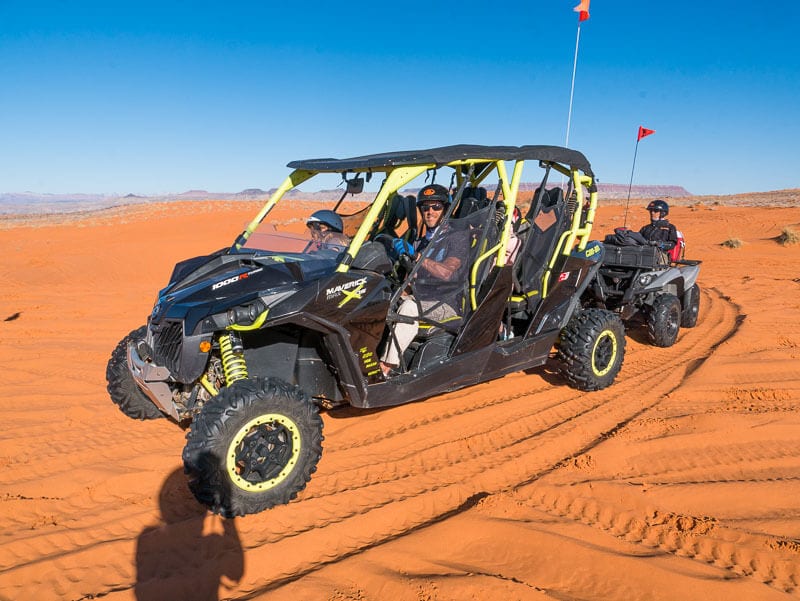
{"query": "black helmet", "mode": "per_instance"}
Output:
(660, 206)
(329, 218)
(433, 193)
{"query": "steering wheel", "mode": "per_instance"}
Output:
(403, 264)
(386, 240)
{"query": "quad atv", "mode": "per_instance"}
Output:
(245, 346)
(643, 284)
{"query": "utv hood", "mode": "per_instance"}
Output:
(205, 285)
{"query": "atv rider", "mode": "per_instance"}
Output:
(326, 231)
(660, 232)
(438, 280)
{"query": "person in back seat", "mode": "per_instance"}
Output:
(660, 232)
(439, 280)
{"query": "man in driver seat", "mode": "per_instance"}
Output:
(439, 281)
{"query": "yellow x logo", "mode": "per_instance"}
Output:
(357, 293)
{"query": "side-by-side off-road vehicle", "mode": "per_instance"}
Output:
(244, 346)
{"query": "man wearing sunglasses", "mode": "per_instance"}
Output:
(432, 203)
(439, 280)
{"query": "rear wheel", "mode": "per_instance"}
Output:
(691, 307)
(122, 388)
(664, 320)
(591, 349)
(254, 446)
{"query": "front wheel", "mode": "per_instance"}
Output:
(591, 348)
(664, 320)
(254, 446)
(122, 388)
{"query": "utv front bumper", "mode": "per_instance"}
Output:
(152, 380)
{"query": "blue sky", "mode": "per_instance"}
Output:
(153, 98)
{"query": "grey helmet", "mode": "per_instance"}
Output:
(329, 218)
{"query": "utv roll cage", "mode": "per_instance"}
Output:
(472, 164)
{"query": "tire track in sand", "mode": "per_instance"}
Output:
(767, 559)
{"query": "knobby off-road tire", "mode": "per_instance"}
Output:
(664, 320)
(591, 348)
(691, 307)
(254, 446)
(122, 388)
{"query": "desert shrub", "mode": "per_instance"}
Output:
(788, 236)
(732, 243)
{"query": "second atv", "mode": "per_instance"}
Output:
(643, 284)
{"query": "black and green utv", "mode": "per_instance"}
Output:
(246, 345)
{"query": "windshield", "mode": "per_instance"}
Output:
(270, 239)
(301, 227)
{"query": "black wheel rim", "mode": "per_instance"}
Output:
(263, 452)
(604, 353)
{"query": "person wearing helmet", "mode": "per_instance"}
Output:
(326, 231)
(439, 278)
(659, 232)
(432, 202)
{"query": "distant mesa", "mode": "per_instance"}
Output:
(617, 191)
(32, 203)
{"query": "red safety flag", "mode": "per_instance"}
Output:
(583, 10)
(643, 132)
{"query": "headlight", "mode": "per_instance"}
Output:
(249, 316)
(645, 279)
(246, 315)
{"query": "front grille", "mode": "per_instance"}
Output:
(167, 338)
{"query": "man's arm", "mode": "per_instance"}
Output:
(441, 270)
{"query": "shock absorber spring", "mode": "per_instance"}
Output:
(233, 363)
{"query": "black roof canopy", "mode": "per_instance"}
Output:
(447, 154)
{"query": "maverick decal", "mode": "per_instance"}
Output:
(350, 290)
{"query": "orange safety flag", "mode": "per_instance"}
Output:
(643, 131)
(583, 10)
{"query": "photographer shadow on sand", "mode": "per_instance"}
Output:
(189, 553)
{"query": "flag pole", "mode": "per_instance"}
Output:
(572, 86)
(630, 184)
(643, 133)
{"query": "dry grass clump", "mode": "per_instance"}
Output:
(732, 243)
(788, 236)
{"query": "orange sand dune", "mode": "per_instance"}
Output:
(681, 481)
